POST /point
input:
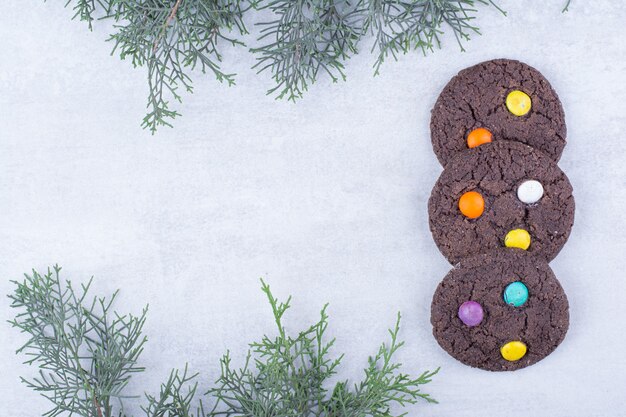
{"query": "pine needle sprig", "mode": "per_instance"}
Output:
(176, 397)
(86, 353)
(306, 39)
(84, 10)
(171, 39)
(399, 27)
(291, 376)
(313, 36)
(566, 8)
(383, 385)
(300, 42)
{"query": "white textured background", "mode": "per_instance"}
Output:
(326, 199)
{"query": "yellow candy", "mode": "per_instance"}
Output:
(513, 351)
(517, 238)
(518, 102)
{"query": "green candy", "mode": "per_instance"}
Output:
(516, 294)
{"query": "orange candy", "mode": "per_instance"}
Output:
(478, 136)
(472, 204)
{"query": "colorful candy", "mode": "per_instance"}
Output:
(530, 191)
(513, 351)
(471, 313)
(517, 238)
(472, 204)
(478, 137)
(518, 102)
(516, 294)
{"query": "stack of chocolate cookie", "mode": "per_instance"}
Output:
(499, 212)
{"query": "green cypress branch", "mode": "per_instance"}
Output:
(172, 39)
(400, 27)
(566, 8)
(307, 38)
(87, 353)
(291, 377)
(176, 397)
(302, 41)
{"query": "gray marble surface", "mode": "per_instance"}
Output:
(325, 199)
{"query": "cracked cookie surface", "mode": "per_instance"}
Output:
(541, 322)
(476, 98)
(495, 170)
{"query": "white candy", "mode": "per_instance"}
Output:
(530, 191)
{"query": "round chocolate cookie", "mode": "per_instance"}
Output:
(488, 96)
(520, 311)
(501, 194)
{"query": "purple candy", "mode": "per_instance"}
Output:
(471, 313)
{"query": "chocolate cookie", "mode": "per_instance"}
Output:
(501, 194)
(486, 96)
(524, 328)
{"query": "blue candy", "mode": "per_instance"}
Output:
(516, 294)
